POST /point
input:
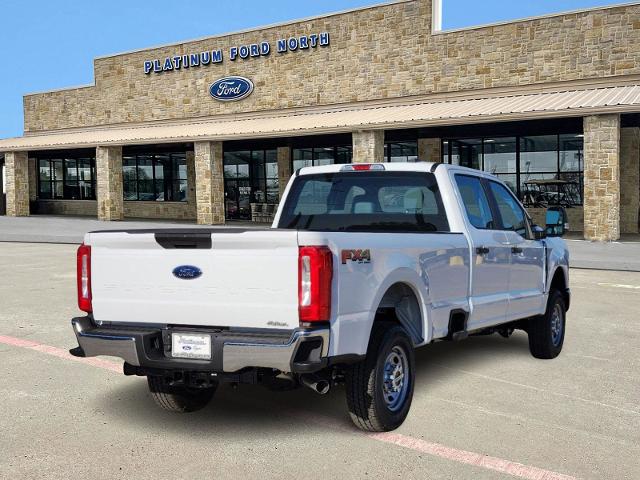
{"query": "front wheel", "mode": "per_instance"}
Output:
(380, 388)
(178, 399)
(546, 332)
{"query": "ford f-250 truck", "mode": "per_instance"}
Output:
(364, 263)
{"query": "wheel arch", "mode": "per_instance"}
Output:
(405, 293)
(560, 282)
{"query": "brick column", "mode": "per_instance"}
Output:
(368, 146)
(16, 166)
(629, 179)
(209, 183)
(602, 177)
(109, 183)
(284, 168)
(430, 150)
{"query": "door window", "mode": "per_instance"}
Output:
(475, 202)
(512, 215)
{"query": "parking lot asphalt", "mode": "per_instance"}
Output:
(483, 408)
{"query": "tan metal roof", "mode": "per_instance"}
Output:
(576, 102)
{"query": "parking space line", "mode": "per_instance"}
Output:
(60, 353)
(434, 449)
(542, 390)
(469, 458)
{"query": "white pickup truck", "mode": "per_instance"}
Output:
(364, 263)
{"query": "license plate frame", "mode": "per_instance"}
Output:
(191, 346)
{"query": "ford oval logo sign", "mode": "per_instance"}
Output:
(231, 89)
(187, 272)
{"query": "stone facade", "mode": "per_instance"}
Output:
(209, 183)
(368, 146)
(17, 172)
(430, 150)
(629, 179)
(375, 53)
(284, 168)
(602, 177)
(109, 183)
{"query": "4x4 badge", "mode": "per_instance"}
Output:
(359, 256)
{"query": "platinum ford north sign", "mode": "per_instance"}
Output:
(243, 52)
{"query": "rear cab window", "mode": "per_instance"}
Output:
(365, 202)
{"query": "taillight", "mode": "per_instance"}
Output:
(315, 271)
(84, 278)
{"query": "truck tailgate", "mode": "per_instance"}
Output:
(249, 278)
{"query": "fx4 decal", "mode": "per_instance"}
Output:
(359, 256)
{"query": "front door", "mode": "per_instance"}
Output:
(490, 256)
(526, 280)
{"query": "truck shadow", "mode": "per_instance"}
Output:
(246, 410)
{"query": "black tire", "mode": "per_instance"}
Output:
(545, 341)
(179, 399)
(365, 381)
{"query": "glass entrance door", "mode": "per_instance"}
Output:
(250, 176)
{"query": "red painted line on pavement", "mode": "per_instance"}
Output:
(469, 458)
(437, 450)
(60, 353)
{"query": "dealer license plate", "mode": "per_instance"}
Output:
(189, 345)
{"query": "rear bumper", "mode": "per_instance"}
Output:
(298, 351)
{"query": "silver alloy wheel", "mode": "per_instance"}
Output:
(556, 325)
(396, 380)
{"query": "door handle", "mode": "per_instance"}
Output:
(482, 250)
(516, 250)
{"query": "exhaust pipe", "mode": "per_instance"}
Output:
(316, 383)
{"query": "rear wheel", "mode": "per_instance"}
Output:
(546, 332)
(178, 399)
(380, 388)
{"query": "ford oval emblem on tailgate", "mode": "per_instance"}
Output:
(187, 272)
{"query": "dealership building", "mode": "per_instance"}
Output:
(211, 130)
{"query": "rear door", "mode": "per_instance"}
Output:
(490, 255)
(224, 278)
(526, 278)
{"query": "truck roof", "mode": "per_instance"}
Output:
(392, 167)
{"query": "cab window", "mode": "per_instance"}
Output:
(511, 213)
(475, 202)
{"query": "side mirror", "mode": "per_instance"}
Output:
(556, 222)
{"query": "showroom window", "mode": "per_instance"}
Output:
(66, 178)
(316, 156)
(542, 170)
(401, 152)
(160, 177)
(250, 176)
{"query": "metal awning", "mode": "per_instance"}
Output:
(441, 112)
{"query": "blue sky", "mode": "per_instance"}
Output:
(49, 44)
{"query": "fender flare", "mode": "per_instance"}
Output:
(420, 288)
